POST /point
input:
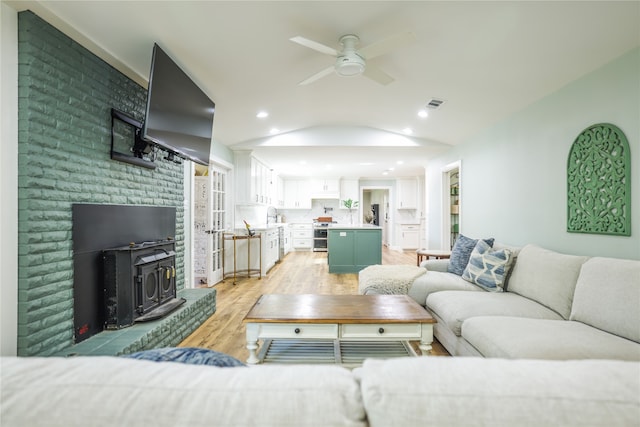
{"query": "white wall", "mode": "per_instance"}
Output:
(514, 174)
(9, 180)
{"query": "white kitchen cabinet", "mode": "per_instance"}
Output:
(410, 236)
(349, 189)
(288, 244)
(254, 180)
(296, 194)
(279, 192)
(407, 194)
(325, 188)
(302, 236)
(270, 248)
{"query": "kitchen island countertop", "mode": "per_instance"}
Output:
(354, 226)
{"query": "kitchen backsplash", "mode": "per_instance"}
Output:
(257, 215)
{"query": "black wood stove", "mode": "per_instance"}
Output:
(139, 282)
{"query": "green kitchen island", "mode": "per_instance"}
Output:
(353, 247)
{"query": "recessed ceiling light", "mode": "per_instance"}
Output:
(385, 173)
(262, 115)
(399, 162)
(423, 113)
(366, 164)
(274, 131)
(407, 131)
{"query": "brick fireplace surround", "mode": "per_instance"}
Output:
(65, 98)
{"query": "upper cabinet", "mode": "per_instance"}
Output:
(407, 194)
(328, 188)
(256, 183)
(280, 194)
(296, 194)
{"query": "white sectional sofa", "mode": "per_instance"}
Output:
(424, 391)
(554, 306)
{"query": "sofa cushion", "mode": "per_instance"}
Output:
(520, 338)
(470, 391)
(488, 268)
(436, 281)
(607, 296)
(455, 307)
(461, 252)
(547, 277)
(116, 391)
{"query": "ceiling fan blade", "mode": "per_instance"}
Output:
(387, 45)
(314, 45)
(377, 75)
(318, 76)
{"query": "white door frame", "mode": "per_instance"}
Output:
(387, 227)
(446, 202)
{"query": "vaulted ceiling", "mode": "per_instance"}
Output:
(485, 60)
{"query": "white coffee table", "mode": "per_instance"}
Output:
(308, 319)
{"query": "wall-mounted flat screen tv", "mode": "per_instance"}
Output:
(179, 115)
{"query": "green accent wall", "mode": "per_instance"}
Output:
(65, 97)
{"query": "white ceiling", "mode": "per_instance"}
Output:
(487, 60)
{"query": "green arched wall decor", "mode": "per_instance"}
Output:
(599, 182)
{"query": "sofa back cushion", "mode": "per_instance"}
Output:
(472, 391)
(115, 391)
(607, 296)
(461, 252)
(546, 277)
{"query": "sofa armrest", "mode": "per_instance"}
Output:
(435, 265)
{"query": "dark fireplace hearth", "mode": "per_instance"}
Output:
(139, 282)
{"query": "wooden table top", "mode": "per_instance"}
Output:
(276, 308)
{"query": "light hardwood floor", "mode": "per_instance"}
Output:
(298, 273)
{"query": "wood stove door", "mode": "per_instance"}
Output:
(148, 293)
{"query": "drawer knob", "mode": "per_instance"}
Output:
(296, 330)
(381, 330)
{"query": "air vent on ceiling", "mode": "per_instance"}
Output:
(434, 103)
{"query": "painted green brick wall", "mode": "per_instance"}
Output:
(65, 97)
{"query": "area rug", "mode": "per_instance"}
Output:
(388, 279)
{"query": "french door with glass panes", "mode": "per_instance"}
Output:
(210, 204)
(217, 222)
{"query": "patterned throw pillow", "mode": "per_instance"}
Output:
(488, 268)
(188, 355)
(461, 252)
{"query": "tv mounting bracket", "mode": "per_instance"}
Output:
(140, 146)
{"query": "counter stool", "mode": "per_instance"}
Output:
(435, 253)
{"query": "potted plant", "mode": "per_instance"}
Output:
(350, 204)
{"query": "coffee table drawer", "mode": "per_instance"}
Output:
(298, 330)
(388, 330)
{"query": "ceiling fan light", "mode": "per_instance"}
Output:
(349, 65)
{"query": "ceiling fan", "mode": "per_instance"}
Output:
(351, 61)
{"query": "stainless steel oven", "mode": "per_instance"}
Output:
(320, 232)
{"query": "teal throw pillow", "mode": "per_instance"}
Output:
(488, 268)
(461, 252)
(188, 355)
